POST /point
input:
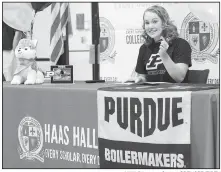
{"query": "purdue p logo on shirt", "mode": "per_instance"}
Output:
(153, 62)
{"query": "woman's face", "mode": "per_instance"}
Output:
(153, 25)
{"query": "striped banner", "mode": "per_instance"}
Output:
(60, 14)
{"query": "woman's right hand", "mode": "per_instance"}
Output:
(140, 78)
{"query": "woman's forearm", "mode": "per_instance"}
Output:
(176, 70)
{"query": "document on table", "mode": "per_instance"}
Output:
(143, 83)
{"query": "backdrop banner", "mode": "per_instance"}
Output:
(121, 29)
(144, 129)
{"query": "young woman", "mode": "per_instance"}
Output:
(164, 57)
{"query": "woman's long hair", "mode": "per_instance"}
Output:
(169, 29)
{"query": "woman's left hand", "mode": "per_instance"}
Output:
(163, 47)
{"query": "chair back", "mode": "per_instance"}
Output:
(198, 76)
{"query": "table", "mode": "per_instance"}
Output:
(205, 129)
(67, 116)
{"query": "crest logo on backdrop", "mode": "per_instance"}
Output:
(107, 41)
(202, 37)
(30, 136)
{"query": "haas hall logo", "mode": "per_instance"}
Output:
(203, 38)
(30, 136)
(107, 41)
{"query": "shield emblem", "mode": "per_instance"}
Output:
(199, 33)
(30, 137)
(104, 39)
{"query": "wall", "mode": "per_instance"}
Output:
(80, 41)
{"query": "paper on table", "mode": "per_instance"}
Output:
(157, 82)
(126, 83)
(142, 83)
(152, 83)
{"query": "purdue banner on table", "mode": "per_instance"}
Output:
(144, 129)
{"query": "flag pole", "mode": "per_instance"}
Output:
(64, 58)
(67, 45)
(95, 40)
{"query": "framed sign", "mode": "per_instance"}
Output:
(62, 74)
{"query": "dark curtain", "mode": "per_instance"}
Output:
(8, 34)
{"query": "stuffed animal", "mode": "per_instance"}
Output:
(27, 71)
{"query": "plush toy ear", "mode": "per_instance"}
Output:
(34, 42)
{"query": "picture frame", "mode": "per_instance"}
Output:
(62, 74)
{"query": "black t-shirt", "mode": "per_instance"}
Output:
(150, 63)
(8, 34)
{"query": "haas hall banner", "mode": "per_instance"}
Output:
(144, 129)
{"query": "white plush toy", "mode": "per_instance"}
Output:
(27, 71)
